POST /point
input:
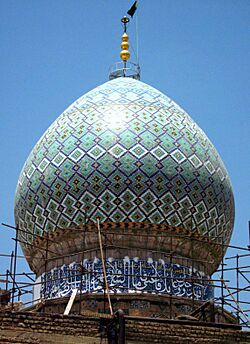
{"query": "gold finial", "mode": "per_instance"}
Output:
(125, 68)
(125, 54)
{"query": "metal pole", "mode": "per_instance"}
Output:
(11, 263)
(137, 37)
(14, 274)
(222, 276)
(9, 272)
(237, 286)
(238, 306)
(124, 68)
(7, 279)
(192, 271)
(104, 268)
(46, 260)
(171, 276)
(249, 234)
(104, 288)
(82, 257)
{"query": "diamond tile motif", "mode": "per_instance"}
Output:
(59, 159)
(167, 207)
(117, 151)
(107, 202)
(96, 152)
(148, 140)
(43, 164)
(107, 162)
(159, 153)
(128, 162)
(138, 151)
(69, 145)
(155, 166)
(178, 156)
(128, 203)
(149, 165)
(185, 206)
(76, 155)
(108, 140)
(87, 141)
(87, 204)
(195, 161)
(66, 169)
(148, 199)
(168, 144)
(69, 208)
(127, 139)
(96, 184)
(137, 216)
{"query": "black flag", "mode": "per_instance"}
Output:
(132, 10)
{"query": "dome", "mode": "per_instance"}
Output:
(124, 152)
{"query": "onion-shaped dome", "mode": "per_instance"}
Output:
(124, 152)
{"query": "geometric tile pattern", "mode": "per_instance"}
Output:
(124, 152)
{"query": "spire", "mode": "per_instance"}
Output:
(125, 54)
(125, 68)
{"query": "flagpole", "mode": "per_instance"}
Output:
(137, 36)
(131, 13)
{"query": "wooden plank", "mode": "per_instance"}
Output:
(70, 303)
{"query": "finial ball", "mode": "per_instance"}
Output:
(125, 55)
(124, 45)
(125, 37)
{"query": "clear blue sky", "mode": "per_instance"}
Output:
(196, 52)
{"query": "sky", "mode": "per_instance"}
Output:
(54, 51)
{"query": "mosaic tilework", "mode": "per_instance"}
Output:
(125, 276)
(124, 152)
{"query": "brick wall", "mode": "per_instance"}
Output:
(24, 328)
(175, 333)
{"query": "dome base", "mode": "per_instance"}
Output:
(142, 305)
(125, 239)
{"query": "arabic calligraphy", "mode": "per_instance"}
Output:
(127, 276)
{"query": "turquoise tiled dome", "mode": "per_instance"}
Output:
(127, 153)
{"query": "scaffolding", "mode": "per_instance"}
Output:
(231, 281)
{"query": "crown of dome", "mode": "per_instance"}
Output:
(124, 152)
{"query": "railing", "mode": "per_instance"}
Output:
(128, 69)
